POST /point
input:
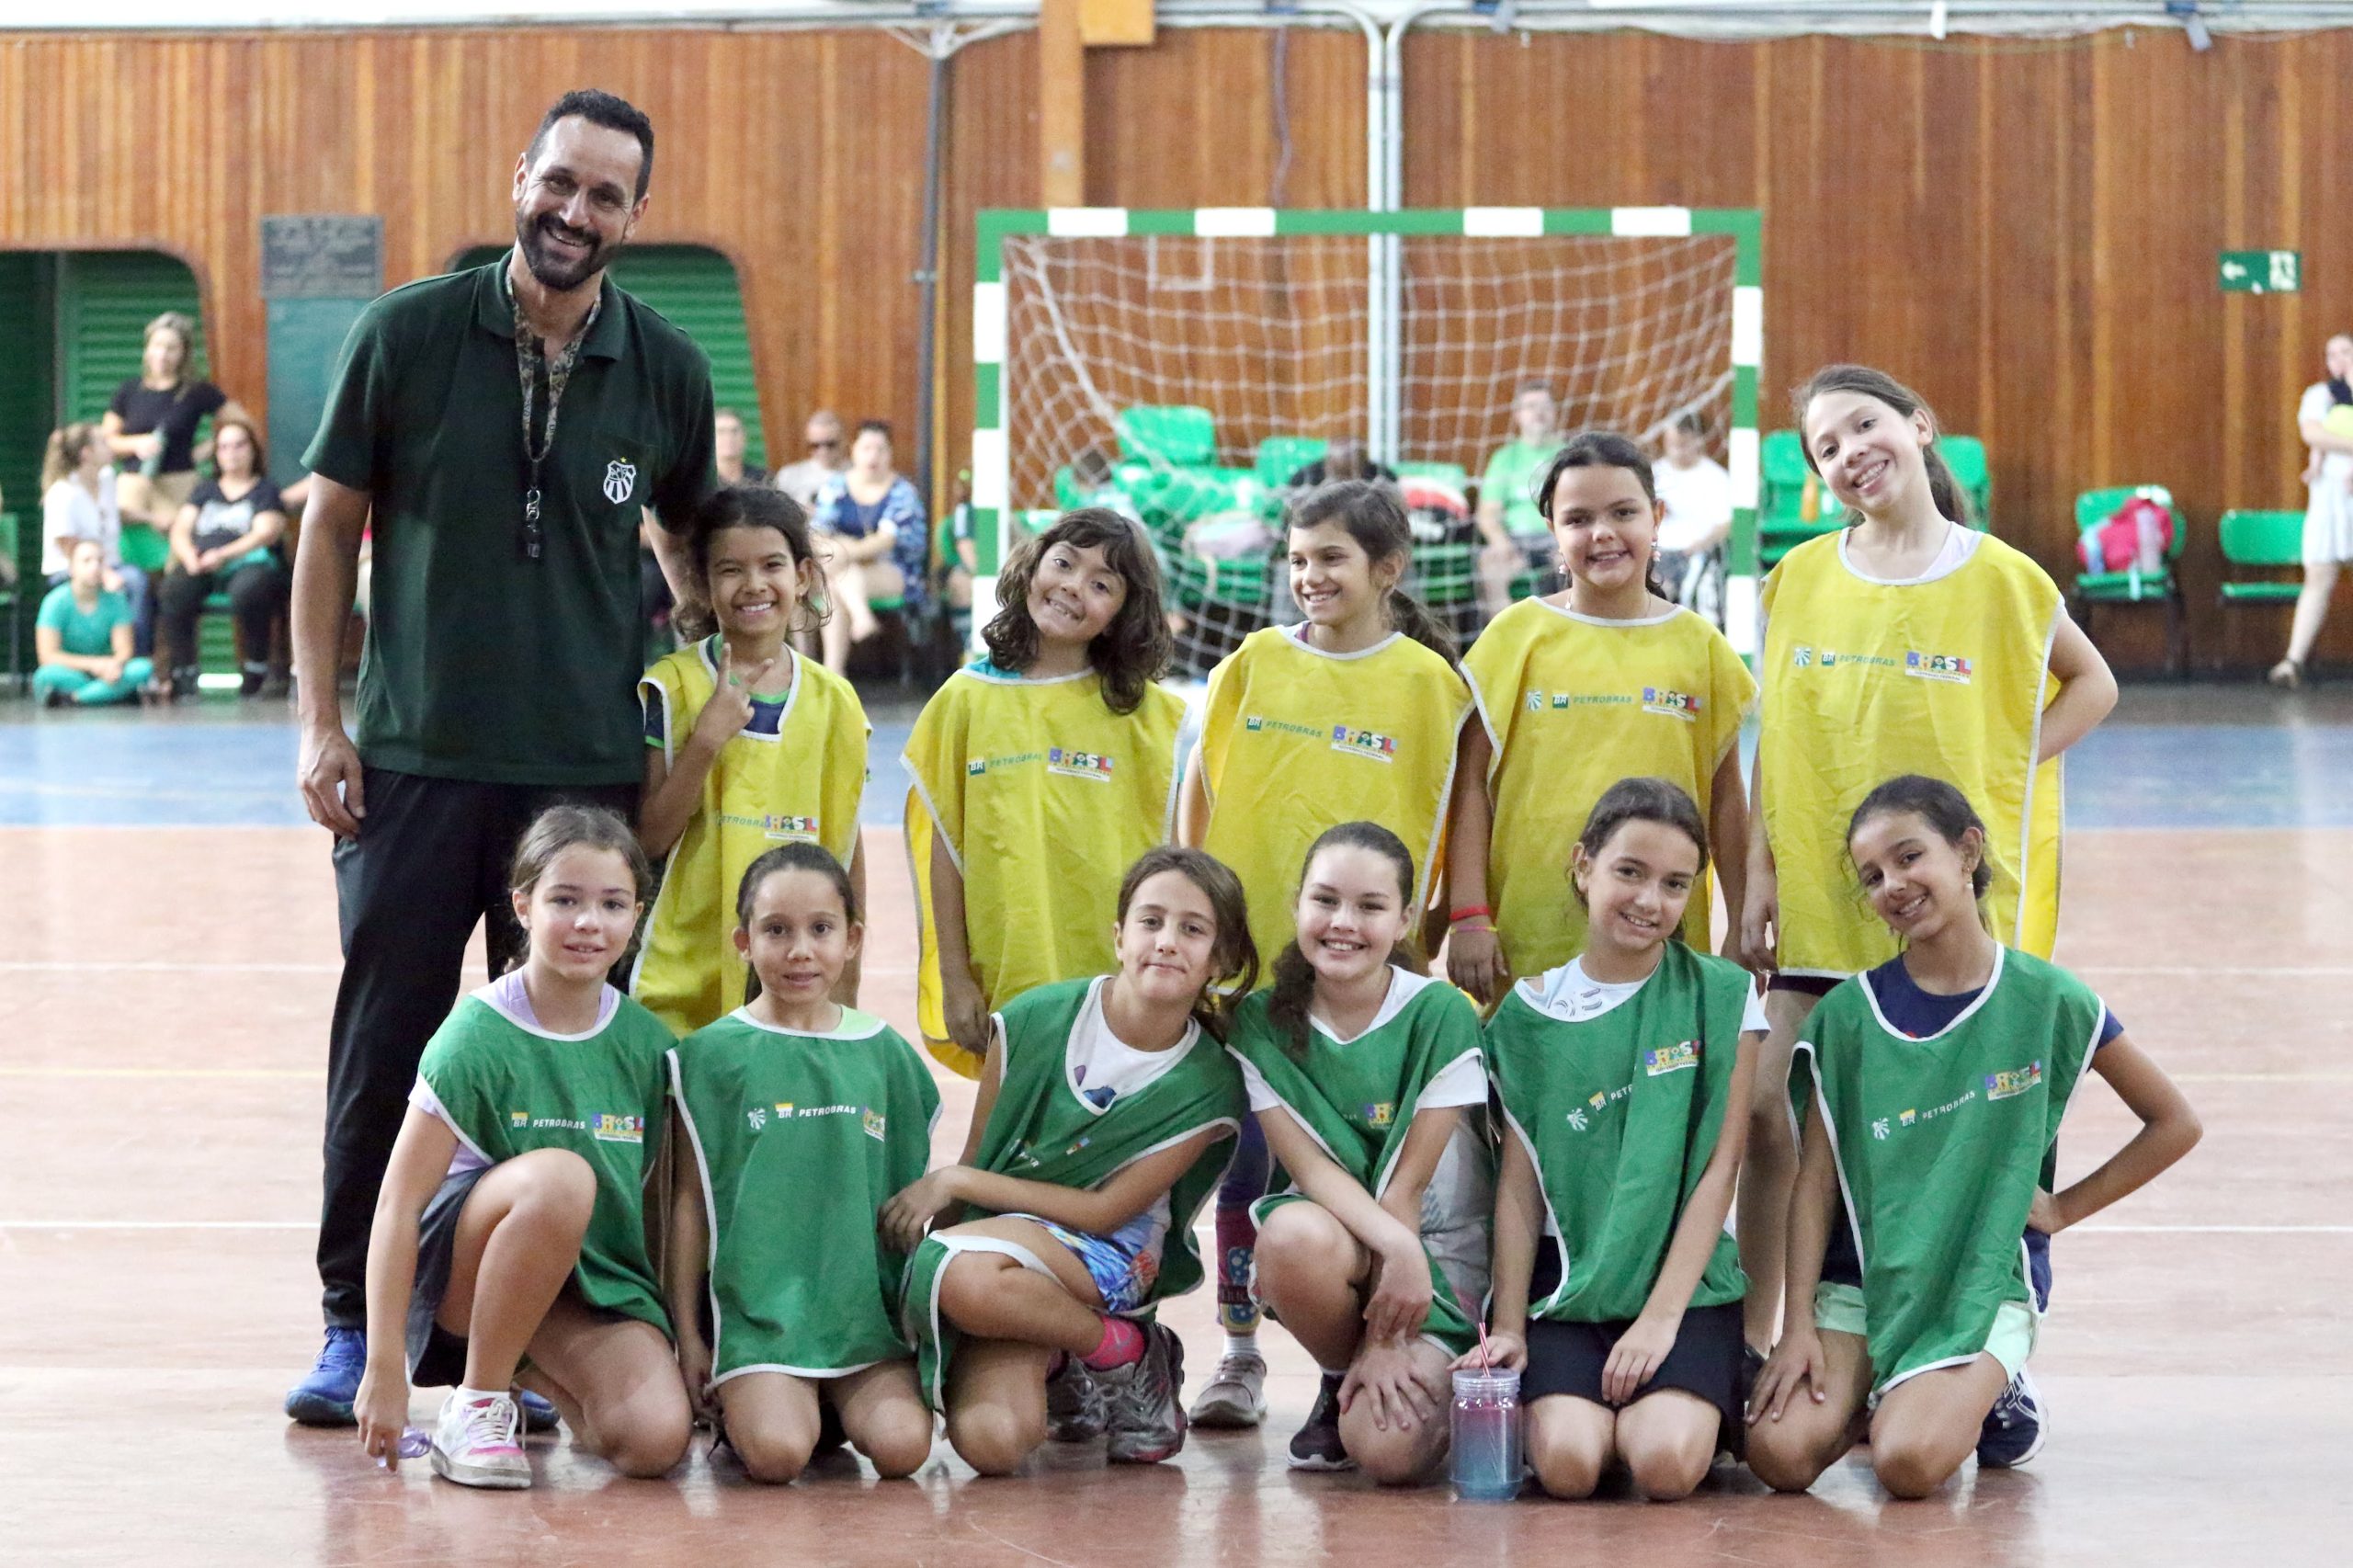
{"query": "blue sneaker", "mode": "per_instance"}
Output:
(2015, 1427)
(539, 1415)
(323, 1399)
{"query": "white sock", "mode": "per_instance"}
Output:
(1242, 1343)
(477, 1396)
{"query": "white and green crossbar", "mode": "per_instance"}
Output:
(992, 452)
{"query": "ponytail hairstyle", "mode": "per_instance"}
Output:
(1606, 449)
(1374, 516)
(63, 454)
(1294, 988)
(1234, 958)
(793, 857)
(1640, 800)
(1943, 488)
(1940, 805)
(564, 827)
(757, 507)
(1130, 653)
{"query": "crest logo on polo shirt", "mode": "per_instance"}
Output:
(620, 480)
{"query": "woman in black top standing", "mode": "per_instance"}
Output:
(151, 423)
(224, 540)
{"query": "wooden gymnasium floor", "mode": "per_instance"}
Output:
(165, 986)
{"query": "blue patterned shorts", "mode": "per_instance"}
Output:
(1123, 1265)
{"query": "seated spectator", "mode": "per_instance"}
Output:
(1344, 458)
(728, 441)
(1517, 538)
(1696, 493)
(804, 480)
(152, 422)
(225, 539)
(81, 637)
(654, 597)
(871, 534)
(79, 501)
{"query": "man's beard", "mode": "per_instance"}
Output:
(559, 273)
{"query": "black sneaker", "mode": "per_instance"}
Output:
(253, 679)
(1142, 1412)
(2015, 1427)
(1317, 1445)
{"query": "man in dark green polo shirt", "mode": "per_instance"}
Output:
(500, 431)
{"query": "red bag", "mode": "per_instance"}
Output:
(2134, 539)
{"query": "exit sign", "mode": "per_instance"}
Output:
(2262, 271)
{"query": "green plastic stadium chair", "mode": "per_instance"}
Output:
(144, 547)
(2249, 538)
(1177, 434)
(1781, 476)
(1445, 473)
(2262, 539)
(2163, 586)
(1965, 455)
(1280, 457)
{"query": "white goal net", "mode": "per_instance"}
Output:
(1191, 378)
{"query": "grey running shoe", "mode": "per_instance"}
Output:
(1317, 1445)
(1236, 1395)
(1073, 1403)
(1145, 1420)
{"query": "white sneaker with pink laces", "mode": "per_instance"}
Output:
(479, 1441)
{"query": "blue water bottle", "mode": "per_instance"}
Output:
(1486, 1434)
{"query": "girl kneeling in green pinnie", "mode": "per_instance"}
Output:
(1931, 1089)
(799, 1117)
(1360, 1071)
(1616, 1287)
(1102, 1121)
(512, 1219)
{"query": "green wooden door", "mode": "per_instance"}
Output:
(104, 300)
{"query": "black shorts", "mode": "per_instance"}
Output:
(1814, 985)
(436, 1358)
(1567, 1358)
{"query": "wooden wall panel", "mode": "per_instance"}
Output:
(183, 143)
(2025, 232)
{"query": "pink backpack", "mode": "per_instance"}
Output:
(2134, 539)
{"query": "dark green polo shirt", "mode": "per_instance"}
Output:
(481, 664)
